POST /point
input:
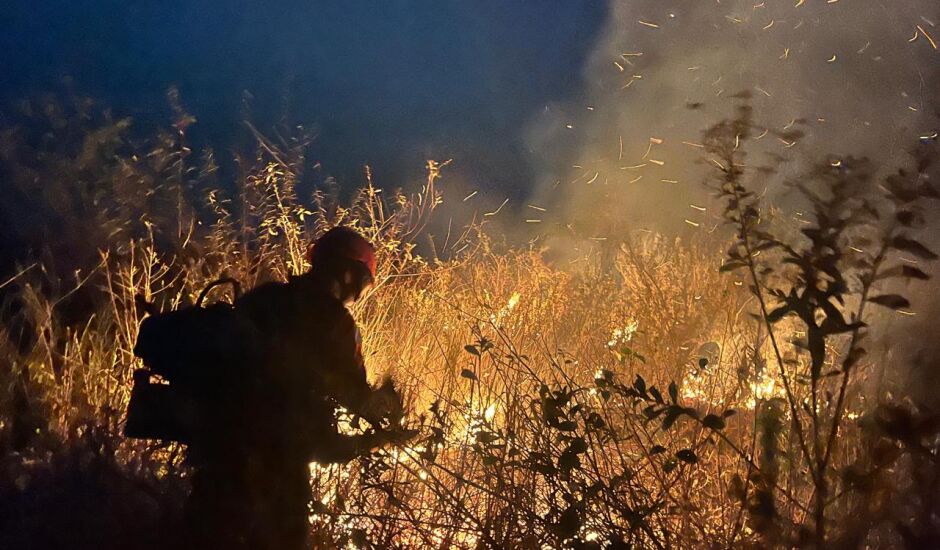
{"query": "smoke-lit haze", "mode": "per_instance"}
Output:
(863, 74)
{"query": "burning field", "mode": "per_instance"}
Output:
(648, 391)
(586, 376)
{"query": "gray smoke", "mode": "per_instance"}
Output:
(862, 74)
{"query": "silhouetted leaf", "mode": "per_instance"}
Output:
(671, 416)
(542, 468)
(657, 449)
(467, 373)
(640, 384)
(568, 461)
(903, 271)
(912, 272)
(731, 266)
(487, 437)
(905, 217)
(909, 245)
(893, 301)
(736, 488)
(673, 392)
(569, 523)
(603, 378)
(778, 313)
(687, 455)
(472, 349)
(928, 191)
(714, 422)
(578, 445)
(656, 395)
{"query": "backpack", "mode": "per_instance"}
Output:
(193, 351)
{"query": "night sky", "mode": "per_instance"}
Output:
(390, 84)
(578, 107)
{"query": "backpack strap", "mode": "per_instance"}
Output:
(236, 289)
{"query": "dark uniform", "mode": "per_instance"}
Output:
(251, 484)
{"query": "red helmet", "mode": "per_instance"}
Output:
(343, 242)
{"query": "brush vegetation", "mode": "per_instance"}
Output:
(654, 393)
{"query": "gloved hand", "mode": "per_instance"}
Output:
(384, 407)
(398, 434)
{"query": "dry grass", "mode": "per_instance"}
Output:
(534, 385)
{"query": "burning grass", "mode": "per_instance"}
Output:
(634, 396)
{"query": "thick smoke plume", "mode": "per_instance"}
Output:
(856, 77)
(860, 78)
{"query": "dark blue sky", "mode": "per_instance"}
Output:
(389, 83)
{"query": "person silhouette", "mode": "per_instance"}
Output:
(275, 413)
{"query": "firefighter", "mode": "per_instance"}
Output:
(251, 484)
